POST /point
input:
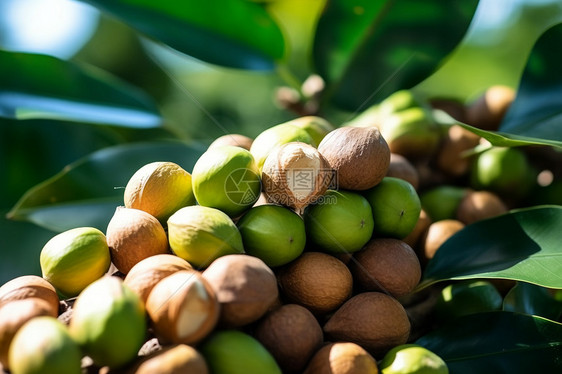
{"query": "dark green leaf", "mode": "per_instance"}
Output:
(365, 50)
(494, 50)
(34, 150)
(87, 192)
(497, 138)
(522, 245)
(531, 299)
(498, 342)
(21, 245)
(537, 109)
(39, 86)
(232, 33)
(535, 117)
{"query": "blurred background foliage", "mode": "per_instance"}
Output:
(363, 54)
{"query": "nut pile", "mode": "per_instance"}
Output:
(291, 253)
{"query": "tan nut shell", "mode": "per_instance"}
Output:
(450, 157)
(295, 174)
(133, 235)
(374, 320)
(401, 167)
(479, 205)
(435, 235)
(342, 358)
(488, 110)
(359, 155)
(245, 287)
(27, 286)
(291, 334)
(387, 265)
(183, 308)
(414, 238)
(14, 315)
(175, 359)
(147, 273)
(318, 281)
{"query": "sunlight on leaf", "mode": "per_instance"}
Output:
(366, 50)
(531, 299)
(44, 87)
(233, 33)
(87, 192)
(521, 245)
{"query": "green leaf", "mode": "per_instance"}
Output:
(233, 33)
(498, 342)
(495, 49)
(531, 299)
(38, 86)
(34, 150)
(537, 109)
(366, 50)
(535, 117)
(21, 246)
(497, 138)
(521, 245)
(87, 192)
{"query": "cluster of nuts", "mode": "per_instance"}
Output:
(293, 252)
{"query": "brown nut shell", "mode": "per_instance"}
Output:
(436, 234)
(413, 239)
(245, 287)
(183, 308)
(27, 286)
(387, 265)
(488, 110)
(342, 358)
(174, 359)
(479, 205)
(133, 235)
(374, 320)
(401, 167)
(148, 272)
(451, 157)
(318, 281)
(291, 334)
(359, 155)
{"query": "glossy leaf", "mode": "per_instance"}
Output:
(231, 33)
(522, 245)
(87, 192)
(21, 246)
(34, 150)
(498, 342)
(365, 50)
(38, 86)
(537, 109)
(495, 49)
(531, 299)
(497, 138)
(535, 117)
